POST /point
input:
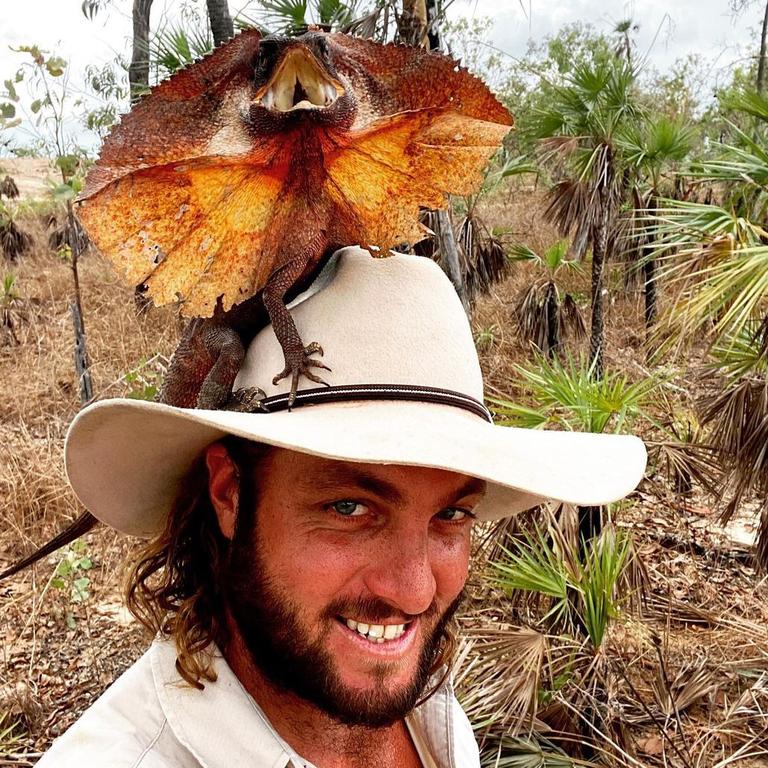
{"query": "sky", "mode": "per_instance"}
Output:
(669, 29)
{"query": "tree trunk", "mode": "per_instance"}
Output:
(553, 320)
(761, 62)
(590, 525)
(433, 33)
(449, 255)
(649, 275)
(82, 364)
(412, 23)
(138, 71)
(599, 248)
(222, 27)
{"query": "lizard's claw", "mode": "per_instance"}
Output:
(246, 400)
(298, 363)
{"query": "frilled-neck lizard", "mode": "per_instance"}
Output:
(227, 187)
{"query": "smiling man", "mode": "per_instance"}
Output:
(304, 566)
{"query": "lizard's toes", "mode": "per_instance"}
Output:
(312, 377)
(315, 364)
(246, 400)
(298, 363)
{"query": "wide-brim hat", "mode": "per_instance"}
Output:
(406, 388)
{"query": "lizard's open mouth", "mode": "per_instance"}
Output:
(299, 82)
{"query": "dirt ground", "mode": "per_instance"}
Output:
(64, 638)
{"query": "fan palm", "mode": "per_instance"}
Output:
(545, 311)
(8, 188)
(717, 257)
(653, 150)
(577, 128)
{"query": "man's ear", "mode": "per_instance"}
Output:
(223, 487)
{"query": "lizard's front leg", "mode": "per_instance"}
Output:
(297, 357)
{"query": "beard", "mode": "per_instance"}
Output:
(282, 649)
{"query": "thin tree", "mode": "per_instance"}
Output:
(738, 6)
(222, 27)
(138, 70)
(653, 148)
(578, 127)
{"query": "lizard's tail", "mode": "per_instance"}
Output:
(79, 527)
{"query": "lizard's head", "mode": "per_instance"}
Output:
(295, 80)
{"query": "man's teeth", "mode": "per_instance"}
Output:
(377, 633)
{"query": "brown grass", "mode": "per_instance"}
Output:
(40, 393)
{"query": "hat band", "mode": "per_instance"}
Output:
(377, 392)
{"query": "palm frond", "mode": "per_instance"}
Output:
(285, 15)
(690, 684)
(566, 394)
(8, 188)
(499, 676)
(583, 596)
(534, 751)
(14, 242)
(174, 46)
(738, 420)
(686, 463)
(743, 352)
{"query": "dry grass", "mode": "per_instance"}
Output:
(40, 393)
(688, 678)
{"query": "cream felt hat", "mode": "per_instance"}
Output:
(406, 388)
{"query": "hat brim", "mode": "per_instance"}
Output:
(126, 459)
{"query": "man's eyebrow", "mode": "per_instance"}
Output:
(333, 477)
(473, 486)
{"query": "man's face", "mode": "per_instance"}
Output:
(343, 583)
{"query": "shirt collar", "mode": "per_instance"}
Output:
(223, 726)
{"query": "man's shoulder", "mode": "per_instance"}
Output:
(125, 728)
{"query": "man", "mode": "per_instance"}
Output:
(304, 565)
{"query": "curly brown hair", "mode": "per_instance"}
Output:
(174, 587)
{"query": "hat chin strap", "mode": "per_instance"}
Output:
(353, 392)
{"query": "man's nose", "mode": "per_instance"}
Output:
(401, 572)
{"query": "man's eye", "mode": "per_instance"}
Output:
(454, 514)
(348, 508)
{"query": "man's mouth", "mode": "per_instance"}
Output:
(299, 83)
(376, 633)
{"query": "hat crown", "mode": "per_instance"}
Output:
(394, 320)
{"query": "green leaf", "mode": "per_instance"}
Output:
(55, 66)
(7, 110)
(63, 192)
(35, 106)
(522, 252)
(33, 51)
(58, 583)
(68, 164)
(80, 589)
(11, 90)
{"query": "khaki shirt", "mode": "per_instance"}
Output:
(150, 718)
